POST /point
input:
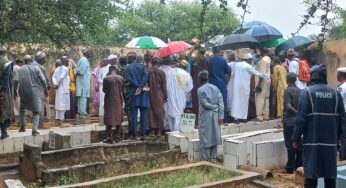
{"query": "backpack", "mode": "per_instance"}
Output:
(304, 71)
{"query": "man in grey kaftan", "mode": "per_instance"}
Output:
(31, 82)
(211, 115)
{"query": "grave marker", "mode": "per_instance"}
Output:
(51, 140)
(187, 123)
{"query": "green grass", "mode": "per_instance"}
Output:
(177, 179)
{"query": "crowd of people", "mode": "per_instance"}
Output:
(256, 87)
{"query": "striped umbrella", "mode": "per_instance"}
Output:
(146, 42)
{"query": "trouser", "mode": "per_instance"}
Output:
(262, 107)
(172, 122)
(294, 156)
(4, 125)
(82, 105)
(279, 104)
(143, 119)
(35, 119)
(44, 108)
(312, 183)
(209, 154)
(60, 114)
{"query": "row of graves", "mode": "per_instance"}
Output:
(75, 157)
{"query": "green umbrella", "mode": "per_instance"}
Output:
(273, 43)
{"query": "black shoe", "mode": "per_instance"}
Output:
(35, 133)
(21, 130)
(132, 138)
(142, 138)
(108, 141)
(237, 121)
(4, 136)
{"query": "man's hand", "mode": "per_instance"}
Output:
(258, 89)
(296, 145)
(46, 93)
(138, 91)
(220, 121)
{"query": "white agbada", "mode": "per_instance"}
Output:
(294, 68)
(61, 78)
(103, 73)
(241, 76)
(230, 87)
(179, 84)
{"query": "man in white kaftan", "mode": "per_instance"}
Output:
(179, 84)
(293, 67)
(242, 72)
(111, 60)
(61, 80)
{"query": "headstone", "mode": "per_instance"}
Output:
(51, 140)
(187, 123)
(12, 183)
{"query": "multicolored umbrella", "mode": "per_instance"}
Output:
(260, 31)
(172, 48)
(296, 42)
(273, 43)
(237, 41)
(146, 42)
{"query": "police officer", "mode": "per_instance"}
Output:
(341, 76)
(320, 117)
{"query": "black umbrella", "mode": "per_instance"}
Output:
(237, 41)
(260, 31)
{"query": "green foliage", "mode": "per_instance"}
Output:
(64, 180)
(338, 30)
(61, 22)
(175, 20)
(175, 179)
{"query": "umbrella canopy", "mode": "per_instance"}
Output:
(172, 48)
(296, 42)
(237, 41)
(273, 43)
(260, 31)
(146, 42)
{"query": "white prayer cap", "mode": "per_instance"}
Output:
(85, 50)
(247, 56)
(341, 69)
(112, 56)
(40, 55)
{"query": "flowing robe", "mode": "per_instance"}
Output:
(96, 94)
(103, 73)
(241, 89)
(262, 98)
(179, 84)
(158, 97)
(61, 79)
(211, 110)
(195, 69)
(113, 106)
(6, 103)
(82, 72)
(279, 86)
(31, 82)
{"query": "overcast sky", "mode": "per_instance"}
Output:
(285, 15)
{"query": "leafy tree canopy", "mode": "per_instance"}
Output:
(338, 30)
(61, 22)
(174, 20)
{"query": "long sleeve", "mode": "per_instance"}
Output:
(204, 101)
(164, 86)
(104, 86)
(131, 78)
(253, 71)
(54, 80)
(275, 78)
(41, 78)
(302, 112)
(82, 66)
(221, 106)
(144, 79)
(342, 118)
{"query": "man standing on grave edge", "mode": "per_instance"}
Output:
(211, 114)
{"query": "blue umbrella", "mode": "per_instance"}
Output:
(296, 42)
(260, 31)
